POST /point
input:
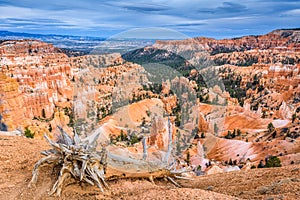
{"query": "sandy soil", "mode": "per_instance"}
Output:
(18, 155)
(269, 183)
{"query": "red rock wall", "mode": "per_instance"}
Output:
(40, 78)
(11, 103)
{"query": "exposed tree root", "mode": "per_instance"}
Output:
(79, 159)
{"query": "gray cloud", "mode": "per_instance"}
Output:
(212, 18)
(232, 7)
(35, 20)
(138, 7)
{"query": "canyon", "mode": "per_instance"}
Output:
(231, 102)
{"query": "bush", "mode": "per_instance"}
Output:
(199, 168)
(28, 133)
(292, 162)
(260, 165)
(273, 161)
(271, 127)
(239, 132)
(134, 139)
(202, 135)
(3, 127)
(253, 167)
(128, 139)
(188, 158)
(294, 116)
(148, 113)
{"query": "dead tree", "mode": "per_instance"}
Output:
(83, 161)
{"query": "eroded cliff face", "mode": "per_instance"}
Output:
(277, 46)
(11, 103)
(40, 78)
(280, 40)
(44, 81)
(14, 48)
(42, 75)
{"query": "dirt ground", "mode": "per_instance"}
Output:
(18, 155)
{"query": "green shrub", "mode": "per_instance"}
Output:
(273, 161)
(148, 113)
(123, 137)
(199, 167)
(271, 127)
(294, 116)
(202, 135)
(239, 132)
(28, 133)
(134, 139)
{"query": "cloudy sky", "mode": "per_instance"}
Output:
(211, 18)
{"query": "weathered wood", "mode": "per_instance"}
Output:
(79, 159)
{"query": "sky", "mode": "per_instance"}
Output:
(209, 18)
